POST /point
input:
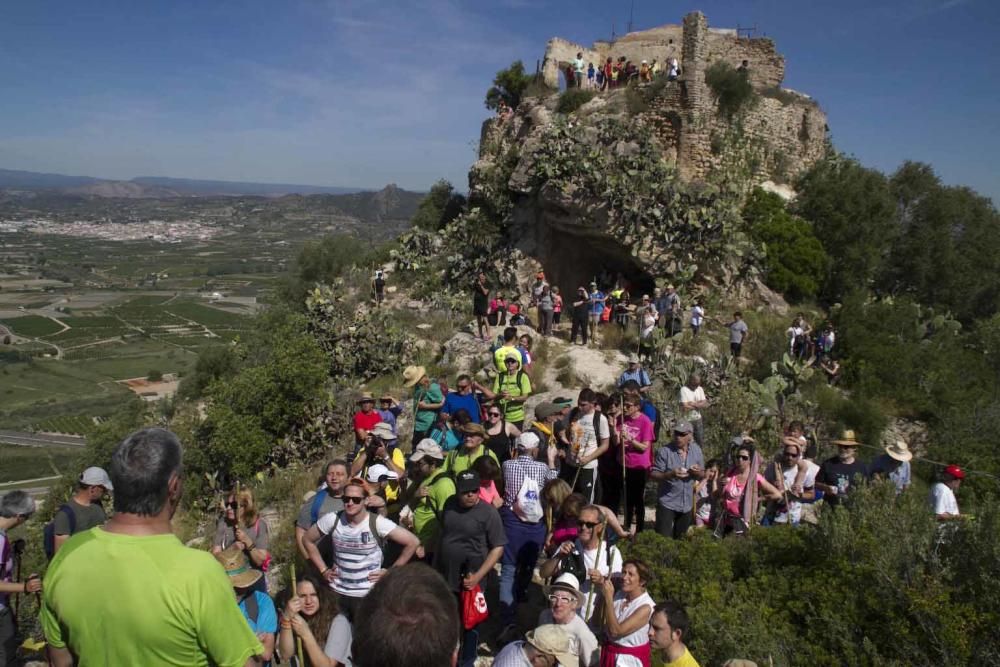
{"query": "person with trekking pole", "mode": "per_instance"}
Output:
(16, 507)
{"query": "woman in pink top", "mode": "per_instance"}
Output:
(489, 473)
(739, 499)
(636, 434)
(557, 306)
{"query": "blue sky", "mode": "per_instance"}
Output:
(362, 93)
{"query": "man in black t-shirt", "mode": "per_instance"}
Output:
(481, 305)
(840, 474)
(472, 541)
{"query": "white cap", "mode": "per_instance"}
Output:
(94, 476)
(527, 440)
(377, 471)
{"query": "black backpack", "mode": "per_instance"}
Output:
(49, 532)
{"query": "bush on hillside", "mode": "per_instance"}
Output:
(871, 584)
(441, 205)
(795, 263)
(508, 86)
(574, 98)
(731, 87)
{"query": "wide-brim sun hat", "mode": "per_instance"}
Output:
(412, 375)
(383, 431)
(553, 640)
(237, 567)
(567, 583)
(847, 439)
(899, 451)
(366, 397)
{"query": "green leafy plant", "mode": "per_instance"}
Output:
(574, 98)
(731, 88)
(508, 86)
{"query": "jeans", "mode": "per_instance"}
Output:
(520, 554)
(671, 523)
(8, 640)
(579, 327)
(544, 322)
(698, 426)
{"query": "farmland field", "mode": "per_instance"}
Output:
(33, 462)
(32, 326)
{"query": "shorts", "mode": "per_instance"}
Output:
(595, 317)
(556, 316)
(736, 348)
(480, 311)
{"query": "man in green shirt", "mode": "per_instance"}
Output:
(511, 389)
(436, 486)
(427, 400)
(472, 447)
(128, 592)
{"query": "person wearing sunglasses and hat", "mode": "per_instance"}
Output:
(943, 494)
(894, 465)
(375, 452)
(545, 646)
(84, 506)
(257, 606)
(565, 600)
(472, 448)
(839, 474)
(389, 410)
(789, 508)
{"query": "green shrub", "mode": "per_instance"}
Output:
(574, 98)
(508, 86)
(795, 262)
(732, 89)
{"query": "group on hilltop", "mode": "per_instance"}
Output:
(614, 73)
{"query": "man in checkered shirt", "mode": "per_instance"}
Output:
(524, 539)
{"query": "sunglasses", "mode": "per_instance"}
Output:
(511, 361)
(791, 455)
(353, 500)
(232, 506)
(493, 414)
(587, 524)
(743, 457)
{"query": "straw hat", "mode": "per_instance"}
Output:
(899, 451)
(412, 375)
(237, 566)
(386, 396)
(847, 439)
(383, 431)
(553, 640)
(366, 397)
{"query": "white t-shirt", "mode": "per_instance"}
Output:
(793, 333)
(794, 506)
(579, 65)
(624, 609)
(355, 550)
(582, 640)
(943, 499)
(589, 439)
(697, 316)
(597, 559)
(689, 395)
(338, 641)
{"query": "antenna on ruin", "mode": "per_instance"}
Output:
(631, 12)
(612, 31)
(746, 32)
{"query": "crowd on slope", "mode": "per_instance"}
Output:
(414, 540)
(614, 73)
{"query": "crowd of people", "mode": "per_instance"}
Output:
(413, 540)
(613, 73)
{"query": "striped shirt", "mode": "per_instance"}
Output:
(355, 550)
(514, 472)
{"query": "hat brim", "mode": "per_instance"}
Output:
(902, 457)
(846, 443)
(420, 372)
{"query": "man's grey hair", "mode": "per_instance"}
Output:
(141, 468)
(15, 504)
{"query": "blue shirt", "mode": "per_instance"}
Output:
(454, 402)
(267, 617)
(899, 475)
(639, 375)
(597, 307)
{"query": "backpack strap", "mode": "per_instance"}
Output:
(252, 607)
(317, 503)
(372, 525)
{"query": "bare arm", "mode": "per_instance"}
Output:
(770, 491)
(310, 539)
(60, 657)
(300, 534)
(548, 568)
(492, 558)
(59, 539)
(267, 639)
(596, 453)
(407, 540)
(618, 629)
(612, 521)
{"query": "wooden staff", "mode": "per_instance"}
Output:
(239, 514)
(298, 640)
(621, 441)
(597, 560)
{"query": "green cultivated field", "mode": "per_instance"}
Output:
(34, 462)
(31, 326)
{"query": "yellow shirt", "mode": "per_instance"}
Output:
(686, 660)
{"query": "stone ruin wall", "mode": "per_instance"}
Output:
(767, 66)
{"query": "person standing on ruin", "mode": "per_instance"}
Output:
(579, 69)
(481, 306)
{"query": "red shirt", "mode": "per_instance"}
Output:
(366, 421)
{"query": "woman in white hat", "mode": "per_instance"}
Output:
(894, 465)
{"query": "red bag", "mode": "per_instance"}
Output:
(474, 610)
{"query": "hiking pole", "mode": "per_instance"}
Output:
(621, 440)
(597, 559)
(298, 640)
(18, 548)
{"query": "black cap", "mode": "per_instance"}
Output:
(466, 481)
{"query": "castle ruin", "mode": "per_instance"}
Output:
(786, 128)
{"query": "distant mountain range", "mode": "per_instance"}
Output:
(155, 187)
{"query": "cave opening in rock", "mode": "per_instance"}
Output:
(576, 261)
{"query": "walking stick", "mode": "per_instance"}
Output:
(621, 441)
(597, 560)
(298, 640)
